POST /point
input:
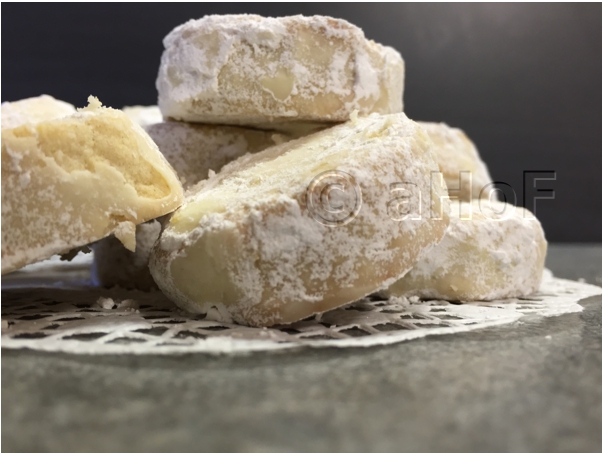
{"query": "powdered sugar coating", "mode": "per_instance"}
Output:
(251, 70)
(194, 151)
(71, 181)
(246, 242)
(459, 160)
(34, 110)
(492, 250)
(143, 115)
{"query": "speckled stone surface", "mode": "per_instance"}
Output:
(534, 386)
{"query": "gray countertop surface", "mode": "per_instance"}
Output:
(533, 386)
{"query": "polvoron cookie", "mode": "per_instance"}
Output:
(465, 173)
(257, 242)
(70, 181)
(492, 250)
(267, 72)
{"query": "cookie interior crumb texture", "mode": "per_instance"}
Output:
(195, 151)
(70, 181)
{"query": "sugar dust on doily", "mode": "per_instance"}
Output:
(41, 312)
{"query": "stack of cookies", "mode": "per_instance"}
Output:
(306, 187)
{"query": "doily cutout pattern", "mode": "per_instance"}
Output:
(89, 320)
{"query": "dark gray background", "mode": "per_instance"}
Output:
(523, 80)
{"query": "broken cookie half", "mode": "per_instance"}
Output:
(71, 181)
(195, 151)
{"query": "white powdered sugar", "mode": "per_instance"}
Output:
(143, 115)
(248, 239)
(464, 172)
(195, 151)
(492, 250)
(34, 110)
(125, 232)
(246, 69)
(85, 320)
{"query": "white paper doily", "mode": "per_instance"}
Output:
(87, 320)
